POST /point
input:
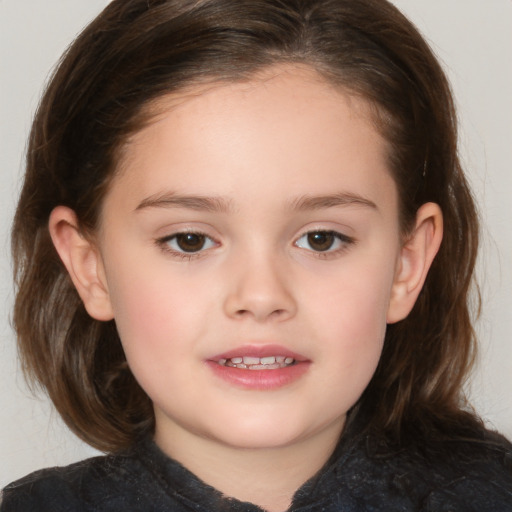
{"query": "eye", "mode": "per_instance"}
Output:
(188, 242)
(323, 241)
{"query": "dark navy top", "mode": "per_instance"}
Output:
(360, 476)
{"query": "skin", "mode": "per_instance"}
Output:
(266, 153)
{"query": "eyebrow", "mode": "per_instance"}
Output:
(330, 201)
(199, 203)
(224, 205)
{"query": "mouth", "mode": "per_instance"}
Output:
(258, 363)
(259, 367)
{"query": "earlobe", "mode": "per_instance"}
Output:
(82, 261)
(416, 257)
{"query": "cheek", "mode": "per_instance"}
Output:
(153, 308)
(158, 330)
(350, 314)
(354, 300)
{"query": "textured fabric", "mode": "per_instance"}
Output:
(360, 476)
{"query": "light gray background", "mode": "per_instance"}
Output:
(473, 40)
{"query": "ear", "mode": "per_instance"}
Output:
(416, 256)
(82, 261)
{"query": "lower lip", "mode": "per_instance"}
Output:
(264, 380)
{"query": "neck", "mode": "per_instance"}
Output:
(267, 477)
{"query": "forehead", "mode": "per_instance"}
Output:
(283, 125)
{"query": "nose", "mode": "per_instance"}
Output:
(259, 289)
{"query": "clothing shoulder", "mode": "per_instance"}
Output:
(469, 476)
(477, 478)
(84, 486)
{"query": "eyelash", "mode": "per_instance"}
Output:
(339, 239)
(343, 241)
(164, 244)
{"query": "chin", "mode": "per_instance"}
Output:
(260, 433)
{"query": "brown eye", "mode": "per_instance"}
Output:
(321, 240)
(190, 242)
(187, 242)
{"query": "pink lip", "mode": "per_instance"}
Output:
(259, 351)
(263, 380)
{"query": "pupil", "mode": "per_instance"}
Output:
(321, 240)
(190, 242)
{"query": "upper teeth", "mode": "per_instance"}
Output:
(258, 363)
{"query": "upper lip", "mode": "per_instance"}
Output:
(259, 350)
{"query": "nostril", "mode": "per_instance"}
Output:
(276, 313)
(260, 300)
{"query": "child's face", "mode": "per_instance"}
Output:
(248, 171)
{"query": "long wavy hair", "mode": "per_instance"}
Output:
(135, 52)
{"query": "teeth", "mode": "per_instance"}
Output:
(257, 363)
(265, 366)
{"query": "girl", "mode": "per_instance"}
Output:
(243, 252)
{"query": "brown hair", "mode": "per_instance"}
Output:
(134, 52)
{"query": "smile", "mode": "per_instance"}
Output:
(259, 367)
(258, 363)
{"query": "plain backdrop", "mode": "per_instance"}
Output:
(473, 40)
